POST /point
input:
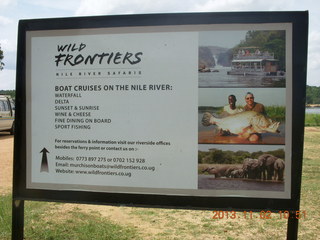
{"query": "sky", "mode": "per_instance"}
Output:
(11, 11)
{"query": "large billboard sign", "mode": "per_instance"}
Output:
(188, 110)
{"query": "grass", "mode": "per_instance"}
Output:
(312, 120)
(45, 221)
(5, 217)
(310, 194)
(276, 113)
(77, 225)
(52, 221)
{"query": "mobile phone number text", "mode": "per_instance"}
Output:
(114, 160)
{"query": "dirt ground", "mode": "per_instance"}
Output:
(6, 162)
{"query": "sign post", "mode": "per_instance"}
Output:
(17, 219)
(293, 224)
(134, 110)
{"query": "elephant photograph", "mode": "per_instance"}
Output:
(250, 169)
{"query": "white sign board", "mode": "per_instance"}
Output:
(118, 110)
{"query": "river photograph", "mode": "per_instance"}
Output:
(210, 182)
(219, 77)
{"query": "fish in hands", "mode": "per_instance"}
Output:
(243, 124)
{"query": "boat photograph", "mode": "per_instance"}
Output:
(251, 61)
(243, 59)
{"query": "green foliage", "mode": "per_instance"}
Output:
(313, 95)
(210, 109)
(217, 156)
(312, 120)
(1, 57)
(271, 41)
(11, 93)
(276, 113)
(278, 153)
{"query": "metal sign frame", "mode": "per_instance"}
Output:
(299, 21)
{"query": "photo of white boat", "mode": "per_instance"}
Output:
(242, 59)
(252, 61)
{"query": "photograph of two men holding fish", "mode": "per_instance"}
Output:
(244, 98)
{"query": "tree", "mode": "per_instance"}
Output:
(11, 93)
(271, 41)
(313, 95)
(1, 57)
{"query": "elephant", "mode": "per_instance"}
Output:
(279, 166)
(212, 171)
(251, 168)
(267, 165)
(238, 173)
(231, 169)
(222, 171)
